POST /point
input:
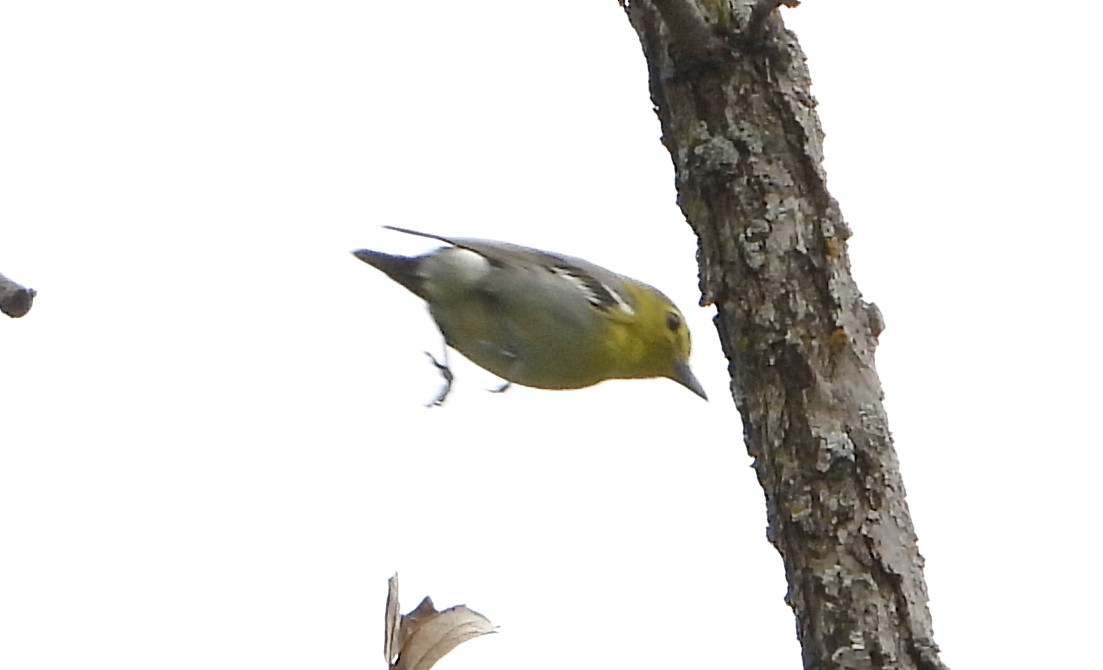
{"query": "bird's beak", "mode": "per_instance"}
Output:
(684, 376)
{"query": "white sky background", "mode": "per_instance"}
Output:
(213, 448)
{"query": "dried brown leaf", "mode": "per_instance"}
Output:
(392, 626)
(419, 639)
(437, 634)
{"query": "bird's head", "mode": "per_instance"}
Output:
(658, 338)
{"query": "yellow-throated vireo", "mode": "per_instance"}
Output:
(542, 319)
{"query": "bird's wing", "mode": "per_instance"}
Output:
(603, 289)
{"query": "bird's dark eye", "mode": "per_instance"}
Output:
(673, 321)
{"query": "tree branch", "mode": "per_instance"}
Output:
(747, 149)
(15, 300)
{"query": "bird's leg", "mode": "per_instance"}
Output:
(511, 352)
(508, 355)
(445, 372)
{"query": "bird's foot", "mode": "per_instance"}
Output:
(445, 372)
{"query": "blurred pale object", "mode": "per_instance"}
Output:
(416, 641)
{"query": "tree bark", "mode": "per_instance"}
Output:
(15, 300)
(732, 93)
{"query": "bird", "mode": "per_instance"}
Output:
(541, 319)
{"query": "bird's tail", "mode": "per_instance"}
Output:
(402, 269)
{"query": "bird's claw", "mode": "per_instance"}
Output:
(445, 372)
(501, 389)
